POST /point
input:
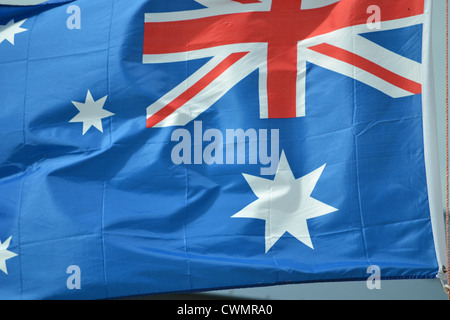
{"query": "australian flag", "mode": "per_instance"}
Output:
(156, 146)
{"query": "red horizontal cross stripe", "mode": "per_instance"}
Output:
(247, 27)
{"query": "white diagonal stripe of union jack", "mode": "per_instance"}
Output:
(277, 38)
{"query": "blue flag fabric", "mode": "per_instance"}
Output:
(127, 170)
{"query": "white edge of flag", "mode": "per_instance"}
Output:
(431, 148)
(21, 2)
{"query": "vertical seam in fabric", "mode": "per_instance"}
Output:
(107, 158)
(357, 155)
(188, 263)
(27, 159)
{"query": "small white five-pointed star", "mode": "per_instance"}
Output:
(285, 203)
(91, 113)
(9, 30)
(5, 254)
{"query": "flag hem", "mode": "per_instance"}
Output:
(431, 149)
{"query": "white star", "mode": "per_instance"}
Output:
(91, 113)
(9, 30)
(285, 203)
(5, 254)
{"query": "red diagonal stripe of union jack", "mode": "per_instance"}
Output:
(277, 38)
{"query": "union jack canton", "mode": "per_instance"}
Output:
(277, 38)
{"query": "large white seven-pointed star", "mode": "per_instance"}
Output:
(5, 254)
(91, 112)
(9, 30)
(285, 203)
